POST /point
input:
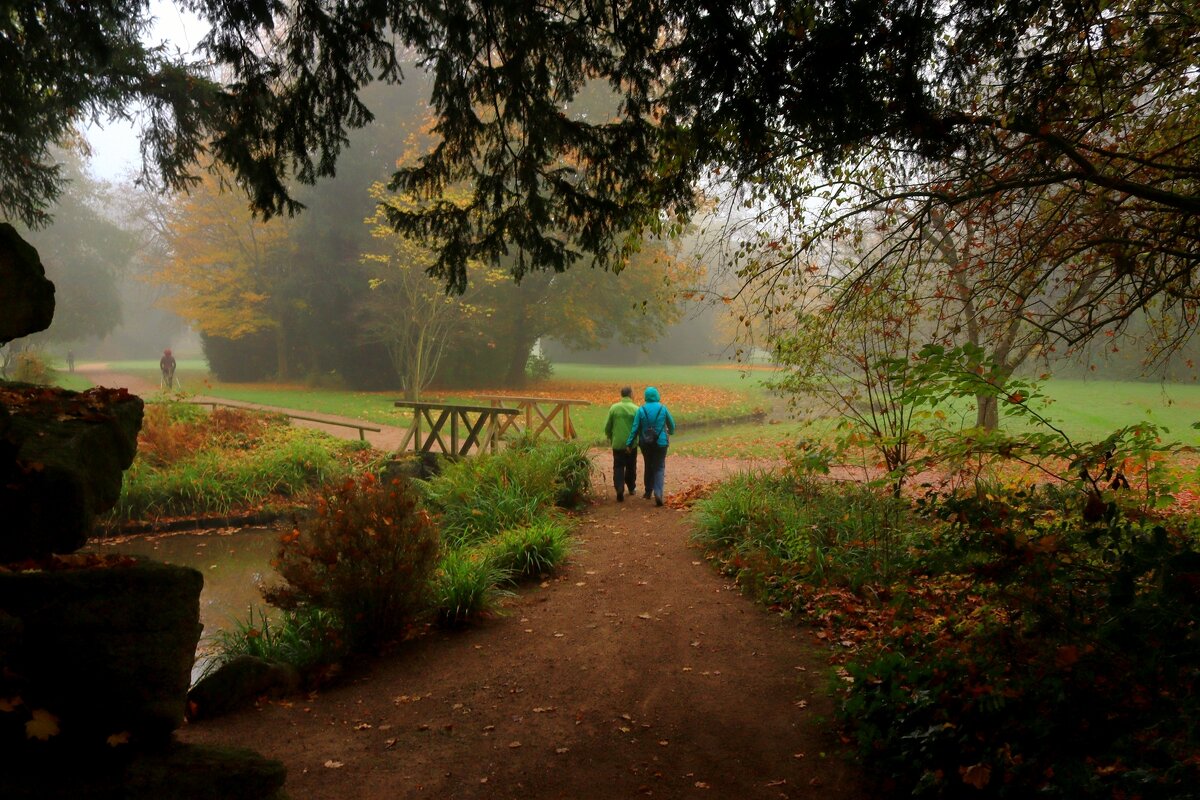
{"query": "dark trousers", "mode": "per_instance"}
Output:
(625, 470)
(654, 469)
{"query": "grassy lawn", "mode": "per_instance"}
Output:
(692, 393)
(1084, 409)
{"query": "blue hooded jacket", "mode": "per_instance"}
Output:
(654, 414)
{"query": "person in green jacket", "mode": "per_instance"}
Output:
(616, 430)
(652, 427)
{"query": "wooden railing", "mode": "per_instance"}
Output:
(469, 427)
(362, 429)
(536, 420)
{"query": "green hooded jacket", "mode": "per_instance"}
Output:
(620, 422)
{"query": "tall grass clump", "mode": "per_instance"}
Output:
(368, 555)
(478, 498)
(467, 586)
(308, 639)
(192, 462)
(824, 534)
(531, 550)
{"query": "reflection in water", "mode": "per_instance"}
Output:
(235, 562)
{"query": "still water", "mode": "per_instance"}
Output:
(234, 561)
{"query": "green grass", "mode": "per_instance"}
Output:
(720, 375)
(1085, 409)
(72, 381)
(379, 406)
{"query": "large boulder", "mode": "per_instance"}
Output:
(237, 683)
(27, 301)
(95, 652)
(62, 455)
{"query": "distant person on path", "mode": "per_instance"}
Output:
(651, 427)
(616, 430)
(167, 365)
(70, 361)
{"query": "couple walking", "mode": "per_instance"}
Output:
(630, 427)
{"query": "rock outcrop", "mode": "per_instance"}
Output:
(27, 301)
(62, 455)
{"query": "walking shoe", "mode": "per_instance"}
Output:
(646, 496)
(620, 497)
(658, 499)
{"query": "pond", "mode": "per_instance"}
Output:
(234, 561)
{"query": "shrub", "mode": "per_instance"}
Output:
(531, 550)
(1058, 657)
(539, 368)
(467, 586)
(32, 367)
(368, 555)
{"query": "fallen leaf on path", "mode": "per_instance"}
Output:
(663, 742)
(514, 745)
(42, 726)
(331, 764)
(977, 775)
(561, 750)
(644, 616)
(363, 726)
(701, 785)
(543, 709)
(777, 783)
(388, 744)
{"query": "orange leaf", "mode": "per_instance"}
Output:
(42, 726)
(976, 775)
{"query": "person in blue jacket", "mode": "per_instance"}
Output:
(652, 427)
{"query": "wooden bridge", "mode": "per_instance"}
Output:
(453, 429)
(458, 429)
(541, 415)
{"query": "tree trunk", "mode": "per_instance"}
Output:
(522, 345)
(281, 355)
(987, 412)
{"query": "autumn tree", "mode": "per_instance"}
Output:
(1091, 103)
(85, 251)
(412, 316)
(228, 270)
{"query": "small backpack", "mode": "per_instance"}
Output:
(648, 434)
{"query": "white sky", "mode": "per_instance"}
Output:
(115, 152)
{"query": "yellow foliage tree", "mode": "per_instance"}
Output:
(225, 267)
(407, 311)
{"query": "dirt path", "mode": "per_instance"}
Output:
(387, 438)
(636, 671)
